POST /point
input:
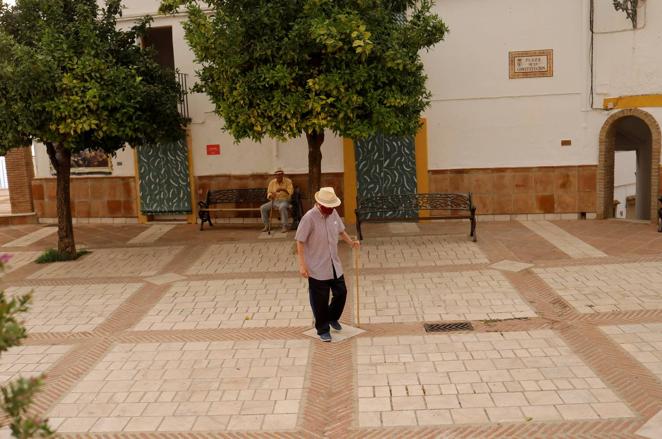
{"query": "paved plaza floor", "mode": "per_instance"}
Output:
(166, 331)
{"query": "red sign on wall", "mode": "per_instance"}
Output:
(213, 149)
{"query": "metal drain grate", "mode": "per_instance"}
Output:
(447, 327)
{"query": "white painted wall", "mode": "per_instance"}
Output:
(481, 118)
(478, 116)
(628, 62)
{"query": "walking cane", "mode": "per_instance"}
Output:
(271, 209)
(356, 271)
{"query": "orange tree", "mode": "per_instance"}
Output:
(71, 80)
(280, 68)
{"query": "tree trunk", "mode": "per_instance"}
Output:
(61, 160)
(315, 141)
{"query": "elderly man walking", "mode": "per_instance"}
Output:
(317, 250)
(279, 192)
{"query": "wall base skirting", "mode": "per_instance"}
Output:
(92, 220)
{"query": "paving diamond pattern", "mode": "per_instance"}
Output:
(29, 361)
(236, 303)
(605, 288)
(467, 295)
(420, 251)
(643, 342)
(246, 258)
(120, 262)
(72, 308)
(477, 378)
(217, 386)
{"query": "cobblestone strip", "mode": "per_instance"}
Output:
(329, 408)
(67, 371)
(637, 385)
(620, 317)
(612, 260)
(494, 249)
(211, 335)
(540, 296)
(617, 429)
(187, 435)
(132, 310)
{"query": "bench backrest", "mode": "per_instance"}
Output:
(415, 202)
(255, 195)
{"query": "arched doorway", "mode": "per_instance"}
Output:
(630, 130)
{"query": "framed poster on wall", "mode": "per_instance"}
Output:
(90, 161)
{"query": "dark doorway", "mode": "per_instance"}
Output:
(633, 135)
(160, 39)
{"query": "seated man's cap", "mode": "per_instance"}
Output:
(279, 171)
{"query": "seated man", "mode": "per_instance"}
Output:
(280, 191)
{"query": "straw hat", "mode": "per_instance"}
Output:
(279, 171)
(326, 196)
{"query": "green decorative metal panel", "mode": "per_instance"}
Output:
(386, 166)
(164, 179)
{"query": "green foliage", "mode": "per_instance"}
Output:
(17, 396)
(52, 255)
(282, 67)
(16, 400)
(11, 330)
(69, 77)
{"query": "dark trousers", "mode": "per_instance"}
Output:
(319, 301)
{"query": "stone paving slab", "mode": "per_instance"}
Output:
(643, 342)
(466, 295)
(118, 262)
(152, 234)
(609, 287)
(31, 238)
(564, 241)
(514, 266)
(29, 361)
(243, 385)
(72, 308)
(420, 251)
(246, 258)
(477, 378)
(18, 260)
(233, 303)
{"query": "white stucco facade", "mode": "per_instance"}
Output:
(479, 117)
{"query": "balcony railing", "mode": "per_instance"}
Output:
(182, 104)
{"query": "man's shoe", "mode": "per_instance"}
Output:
(335, 325)
(325, 337)
(265, 228)
(284, 229)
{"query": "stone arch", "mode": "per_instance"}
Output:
(605, 177)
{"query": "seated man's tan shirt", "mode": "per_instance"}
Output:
(286, 184)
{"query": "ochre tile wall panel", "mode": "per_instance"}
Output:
(91, 197)
(499, 191)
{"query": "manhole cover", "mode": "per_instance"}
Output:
(447, 327)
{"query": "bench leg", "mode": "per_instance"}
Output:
(205, 217)
(473, 225)
(358, 229)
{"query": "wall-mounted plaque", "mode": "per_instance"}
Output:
(531, 64)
